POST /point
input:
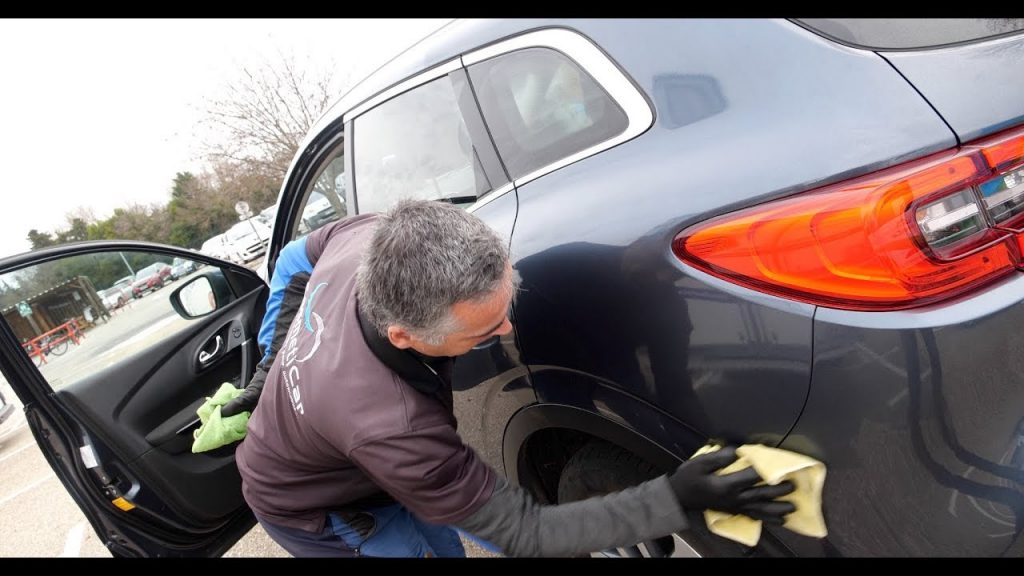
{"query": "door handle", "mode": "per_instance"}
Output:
(207, 357)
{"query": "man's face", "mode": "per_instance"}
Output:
(478, 321)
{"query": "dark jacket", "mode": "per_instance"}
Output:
(336, 424)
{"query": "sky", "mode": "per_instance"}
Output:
(100, 113)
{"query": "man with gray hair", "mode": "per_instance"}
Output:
(352, 449)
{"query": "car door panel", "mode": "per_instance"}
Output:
(147, 417)
(119, 435)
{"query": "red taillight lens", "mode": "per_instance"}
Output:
(894, 239)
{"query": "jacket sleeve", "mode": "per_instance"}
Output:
(291, 261)
(513, 521)
(429, 471)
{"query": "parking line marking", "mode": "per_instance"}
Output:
(17, 450)
(13, 430)
(73, 544)
(27, 488)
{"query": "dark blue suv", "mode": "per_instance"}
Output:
(808, 234)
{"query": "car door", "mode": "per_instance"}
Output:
(114, 413)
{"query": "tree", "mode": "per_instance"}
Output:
(256, 133)
(39, 239)
(141, 222)
(266, 114)
(77, 231)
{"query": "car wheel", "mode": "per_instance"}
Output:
(599, 468)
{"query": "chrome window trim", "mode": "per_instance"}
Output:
(576, 47)
(404, 86)
(594, 62)
(487, 197)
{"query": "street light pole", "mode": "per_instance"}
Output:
(129, 266)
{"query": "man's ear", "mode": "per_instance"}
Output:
(399, 337)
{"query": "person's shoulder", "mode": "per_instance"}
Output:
(338, 233)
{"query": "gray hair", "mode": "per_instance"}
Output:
(425, 256)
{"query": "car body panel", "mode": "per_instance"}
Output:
(975, 87)
(604, 295)
(917, 414)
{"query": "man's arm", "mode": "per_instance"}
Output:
(443, 481)
(291, 261)
(512, 520)
(287, 288)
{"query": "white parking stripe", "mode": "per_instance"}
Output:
(18, 449)
(16, 427)
(159, 325)
(73, 544)
(27, 488)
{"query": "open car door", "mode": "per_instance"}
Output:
(110, 394)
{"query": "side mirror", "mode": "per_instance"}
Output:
(195, 298)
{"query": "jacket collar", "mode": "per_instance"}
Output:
(427, 374)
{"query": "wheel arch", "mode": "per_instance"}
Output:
(540, 439)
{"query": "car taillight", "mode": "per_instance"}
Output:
(894, 239)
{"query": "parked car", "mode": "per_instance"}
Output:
(218, 247)
(248, 239)
(152, 277)
(119, 294)
(181, 267)
(111, 298)
(318, 211)
(268, 214)
(806, 234)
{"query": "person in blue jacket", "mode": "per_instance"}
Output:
(287, 286)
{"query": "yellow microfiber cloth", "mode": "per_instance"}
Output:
(774, 465)
(216, 431)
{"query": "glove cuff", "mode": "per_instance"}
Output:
(678, 483)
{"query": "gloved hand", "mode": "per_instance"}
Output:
(291, 301)
(246, 401)
(697, 487)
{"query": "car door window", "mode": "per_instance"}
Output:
(541, 107)
(79, 315)
(416, 145)
(324, 199)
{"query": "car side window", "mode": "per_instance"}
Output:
(77, 316)
(415, 145)
(325, 199)
(541, 107)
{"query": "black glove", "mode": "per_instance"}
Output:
(246, 401)
(291, 301)
(697, 487)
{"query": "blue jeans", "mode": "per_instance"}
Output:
(387, 531)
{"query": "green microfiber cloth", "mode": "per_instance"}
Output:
(215, 430)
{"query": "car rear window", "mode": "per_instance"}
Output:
(542, 107)
(910, 33)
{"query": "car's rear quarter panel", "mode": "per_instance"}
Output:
(745, 111)
(918, 415)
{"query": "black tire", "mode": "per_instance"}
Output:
(599, 468)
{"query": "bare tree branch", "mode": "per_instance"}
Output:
(266, 113)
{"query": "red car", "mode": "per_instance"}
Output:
(152, 277)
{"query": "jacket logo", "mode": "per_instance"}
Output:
(313, 324)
